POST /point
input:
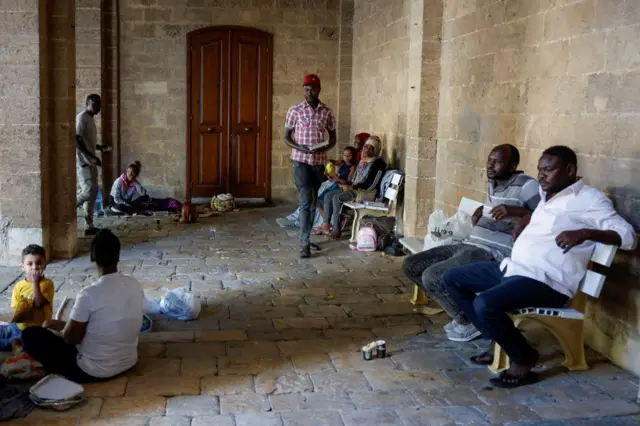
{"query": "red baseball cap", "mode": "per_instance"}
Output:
(311, 80)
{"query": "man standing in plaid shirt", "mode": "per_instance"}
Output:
(305, 127)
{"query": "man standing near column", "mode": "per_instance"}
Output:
(305, 128)
(87, 162)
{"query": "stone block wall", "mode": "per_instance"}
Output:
(396, 78)
(153, 76)
(88, 53)
(21, 198)
(57, 125)
(37, 169)
(542, 73)
(380, 69)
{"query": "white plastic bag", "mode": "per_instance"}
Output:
(151, 305)
(443, 230)
(181, 304)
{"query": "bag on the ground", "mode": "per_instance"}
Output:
(223, 203)
(443, 230)
(384, 229)
(151, 306)
(15, 402)
(22, 366)
(367, 239)
(181, 304)
(363, 195)
(98, 207)
(188, 214)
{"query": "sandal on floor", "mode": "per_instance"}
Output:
(485, 358)
(321, 230)
(334, 235)
(507, 381)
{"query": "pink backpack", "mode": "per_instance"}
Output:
(367, 238)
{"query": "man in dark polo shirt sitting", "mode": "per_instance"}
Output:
(511, 195)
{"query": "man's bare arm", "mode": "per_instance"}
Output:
(568, 239)
(290, 142)
(83, 149)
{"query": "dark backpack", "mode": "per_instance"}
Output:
(383, 227)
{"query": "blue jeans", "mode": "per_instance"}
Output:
(308, 180)
(9, 333)
(497, 296)
(427, 268)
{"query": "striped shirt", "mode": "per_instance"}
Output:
(493, 235)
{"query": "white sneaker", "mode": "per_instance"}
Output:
(450, 326)
(463, 333)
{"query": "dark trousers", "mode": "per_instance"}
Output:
(333, 202)
(55, 355)
(308, 180)
(427, 268)
(136, 206)
(497, 296)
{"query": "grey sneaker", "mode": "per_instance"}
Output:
(285, 223)
(451, 326)
(463, 333)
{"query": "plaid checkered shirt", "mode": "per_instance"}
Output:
(308, 127)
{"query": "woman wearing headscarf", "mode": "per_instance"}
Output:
(292, 221)
(367, 177)
(358, 143)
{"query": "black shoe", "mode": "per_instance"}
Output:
(315, 247)
(91, 231)
(305, 252)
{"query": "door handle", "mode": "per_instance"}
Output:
(247, 129)
(209, 129)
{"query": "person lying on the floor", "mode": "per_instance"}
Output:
(100, 339)
(31, 298)
(511, 195)
(548, 260)
(127, 195)
(367, 177)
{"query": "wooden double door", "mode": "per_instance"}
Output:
(229, 112)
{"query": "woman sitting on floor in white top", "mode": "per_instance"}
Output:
(127, 195)
(100, 340)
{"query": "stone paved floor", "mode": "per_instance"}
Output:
(278, 342)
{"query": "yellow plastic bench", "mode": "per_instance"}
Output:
(414, 245)
(567, 324)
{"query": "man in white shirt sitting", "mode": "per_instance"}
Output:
(100, 340)
(548, 260)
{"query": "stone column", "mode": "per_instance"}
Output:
(109, 91)
(20, 151)
(422, 113)
(345, 73)
(57, 122)
(37, 149)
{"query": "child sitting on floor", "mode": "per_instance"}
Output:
(31, 299)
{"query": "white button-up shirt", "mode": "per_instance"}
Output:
(535, 253)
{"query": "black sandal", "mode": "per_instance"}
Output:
(485, 358)
(508, 381)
